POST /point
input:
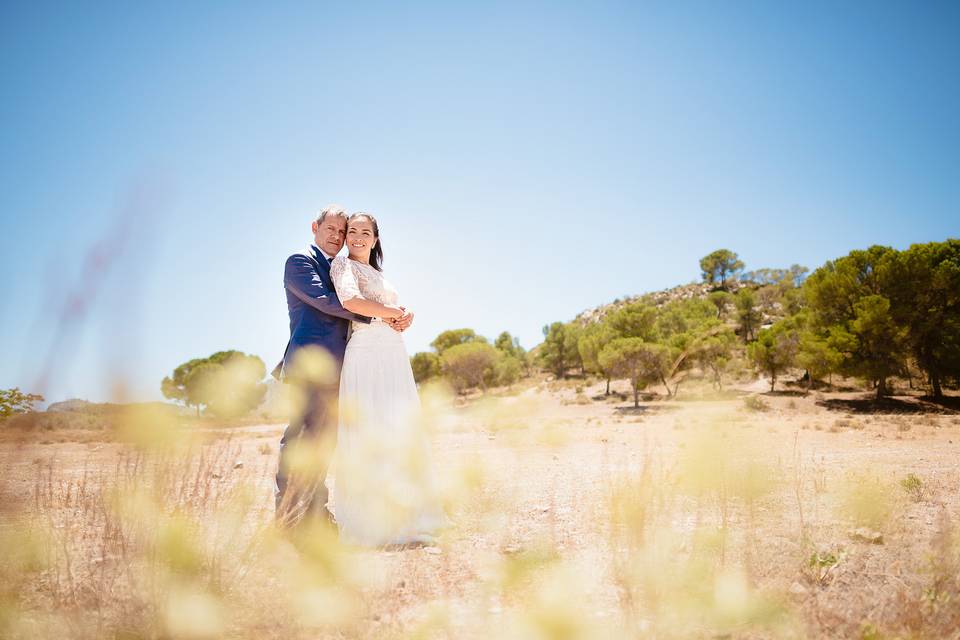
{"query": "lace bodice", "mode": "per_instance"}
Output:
(354, 279)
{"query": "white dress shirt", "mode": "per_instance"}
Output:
(324, 253)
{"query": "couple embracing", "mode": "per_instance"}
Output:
(343, 311)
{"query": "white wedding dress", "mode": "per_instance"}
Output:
(384, 491)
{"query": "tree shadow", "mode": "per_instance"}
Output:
(613, 395)
(870, 404)
(644, 409)
(951, 403)
(785, 393)
(836, 388)
(712, 396)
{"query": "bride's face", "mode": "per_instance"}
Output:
(360, 238)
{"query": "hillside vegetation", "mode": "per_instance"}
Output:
(876, 315)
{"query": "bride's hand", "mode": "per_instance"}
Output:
(403, 322)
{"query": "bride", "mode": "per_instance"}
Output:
(384, 491)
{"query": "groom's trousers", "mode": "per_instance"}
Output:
(305, 452)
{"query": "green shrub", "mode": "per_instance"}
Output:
(914, 487)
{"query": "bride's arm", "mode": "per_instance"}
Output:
(364, 307)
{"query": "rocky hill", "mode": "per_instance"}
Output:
(74, 404)
(656, 298)
(767, 298)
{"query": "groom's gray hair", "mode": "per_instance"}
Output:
(332, 210)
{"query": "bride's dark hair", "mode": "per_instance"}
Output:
(376, 253)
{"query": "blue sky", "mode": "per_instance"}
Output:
(526, 161)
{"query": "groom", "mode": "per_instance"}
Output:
(317, 320)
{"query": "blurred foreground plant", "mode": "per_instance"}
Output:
(865, 500)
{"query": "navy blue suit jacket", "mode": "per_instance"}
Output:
(316, 315)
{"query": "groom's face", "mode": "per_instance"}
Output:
(329, 233)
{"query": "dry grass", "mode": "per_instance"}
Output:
(570, 520)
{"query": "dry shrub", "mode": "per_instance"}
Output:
(581, 399)
(841, 423)
(755, 403)
(820, 567)
(914, 487)
(820, 478)
(902, 423)
(928, 419)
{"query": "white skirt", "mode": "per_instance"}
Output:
(384, 490)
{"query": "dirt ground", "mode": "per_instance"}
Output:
(574, 515)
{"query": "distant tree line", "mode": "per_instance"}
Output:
(873, 314)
